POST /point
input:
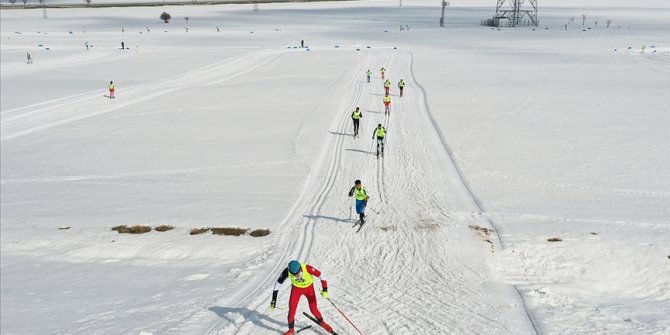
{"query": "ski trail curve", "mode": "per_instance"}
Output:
(25, 121)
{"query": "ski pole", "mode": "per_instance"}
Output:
(345, 316)
(351, 207)
(372, 145)
(372, 209)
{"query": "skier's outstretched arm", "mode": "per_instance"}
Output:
(275, 288)
(351, 192)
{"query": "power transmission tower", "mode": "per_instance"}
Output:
(516, 10)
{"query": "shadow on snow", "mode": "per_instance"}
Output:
(258, 319)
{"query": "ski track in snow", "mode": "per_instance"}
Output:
(412, 221)
(87, 105)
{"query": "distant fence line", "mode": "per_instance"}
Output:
(20, 5)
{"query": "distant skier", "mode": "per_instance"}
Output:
(357, 115)
(379, 133)
(369, 74)
(217, 29)
(302, 278)
(123, 46)
(387, 86)
(383, 71)
(302, 43)
(112, 89)
(387, 104)
(358, 191)
(401, 85)
(86, 45)
(29, 58)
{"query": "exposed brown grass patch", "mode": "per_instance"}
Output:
(136, 229)
(163, 228)
(229, 231)
(484, 233)
(554, 239)
(197, 231)
(64, 228)
(594, 233)
(260, 232)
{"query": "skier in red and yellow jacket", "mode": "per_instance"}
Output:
(302, 278)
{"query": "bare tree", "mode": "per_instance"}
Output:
(88, 3)
(165, 16)
(24, 3)
(583, 19)
(609, 22)
(12, 2)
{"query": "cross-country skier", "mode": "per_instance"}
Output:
(29, 58)
(302, 278)
(369, 73)
(401, 85)
(382, 70)
(387, 86)
(112, 88)
(387, 104)
(357, 115)
(361, 199)
(379, 133)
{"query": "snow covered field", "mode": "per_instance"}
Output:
(533, 133)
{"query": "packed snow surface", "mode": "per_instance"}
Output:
(504, 138)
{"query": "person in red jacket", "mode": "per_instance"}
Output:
(302, 278)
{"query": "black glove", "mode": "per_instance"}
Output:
(273, 303)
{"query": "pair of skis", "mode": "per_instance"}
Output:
(378, 153)
(317, 322)
(359, 224)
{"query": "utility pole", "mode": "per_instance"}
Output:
(444, 5)
(44, 8)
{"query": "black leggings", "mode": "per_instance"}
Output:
(356, 124)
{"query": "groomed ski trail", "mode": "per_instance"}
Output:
(420, 244)
(296, 238)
